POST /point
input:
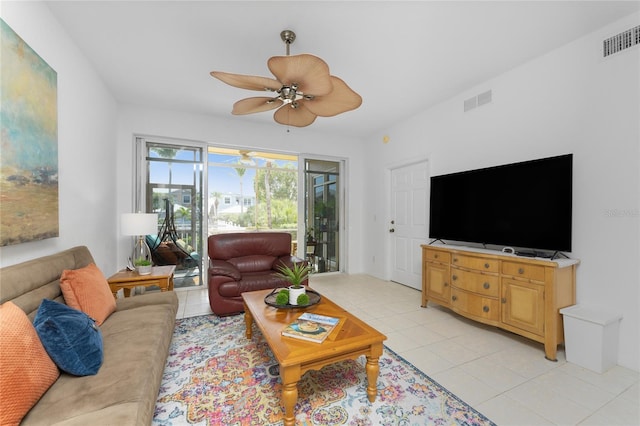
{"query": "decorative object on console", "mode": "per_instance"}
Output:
(304, 88)
(140, 225)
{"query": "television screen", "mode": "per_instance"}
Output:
(524, 205)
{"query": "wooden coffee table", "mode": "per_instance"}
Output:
(350, 339)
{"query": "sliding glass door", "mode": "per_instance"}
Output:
(323, 214)
(173, 178)
(199, 190)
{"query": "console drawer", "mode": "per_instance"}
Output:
(475, 305)
(437, 256)
(484, 284)
(523, 270)
(477, 263)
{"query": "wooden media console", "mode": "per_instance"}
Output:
(518, 294)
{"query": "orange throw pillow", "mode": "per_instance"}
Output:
(87, 289)
(26, 369)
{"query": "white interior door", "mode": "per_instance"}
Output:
(408, 222)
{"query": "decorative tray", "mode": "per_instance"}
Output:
(270, 299)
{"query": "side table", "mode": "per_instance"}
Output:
(161, 276)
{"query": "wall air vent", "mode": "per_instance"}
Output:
(470, 104)
(620, 42)
(477, 101)
(484, 98)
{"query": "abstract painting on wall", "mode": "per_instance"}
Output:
(29, 150)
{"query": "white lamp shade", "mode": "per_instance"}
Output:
(139, 224)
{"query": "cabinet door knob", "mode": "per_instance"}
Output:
(486, 265)
(454, 277)
(454, 298)
(446, 284)
(485, 309)
(455, 259)
(435, 256)
(503, 300)
(521, 270)
(486, 286)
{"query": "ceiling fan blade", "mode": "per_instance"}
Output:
(257, 104)
(341, 99)
(249, 82)
(298, 117)
(309, 72)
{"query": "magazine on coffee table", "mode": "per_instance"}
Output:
(311, 327)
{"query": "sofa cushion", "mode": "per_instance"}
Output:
(27, 370)
(72, 339)
(87, 289)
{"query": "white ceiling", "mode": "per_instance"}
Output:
(401, 57)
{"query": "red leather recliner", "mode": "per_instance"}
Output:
(240, 262)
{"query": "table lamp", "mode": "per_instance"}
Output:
(140, 225)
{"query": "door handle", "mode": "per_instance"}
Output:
(392, 230)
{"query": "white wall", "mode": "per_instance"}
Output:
(86, 142)
(238, 133)
(568, 101)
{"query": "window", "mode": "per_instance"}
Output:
(252, 191)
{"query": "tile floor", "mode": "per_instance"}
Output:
(504, 376)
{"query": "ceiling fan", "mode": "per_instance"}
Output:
(304, 88)
(246, 158)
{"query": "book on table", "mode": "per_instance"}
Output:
(311, 327)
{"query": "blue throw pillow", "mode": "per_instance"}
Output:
(71, 338)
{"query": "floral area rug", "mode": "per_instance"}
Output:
(216, 376)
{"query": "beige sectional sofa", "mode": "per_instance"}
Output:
(136, 340)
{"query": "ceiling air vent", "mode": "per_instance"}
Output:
(621, 41)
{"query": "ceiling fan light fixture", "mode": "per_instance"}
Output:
(302, 81)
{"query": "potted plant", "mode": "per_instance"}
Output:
(143, 266)
(295, 276)
(310, 237)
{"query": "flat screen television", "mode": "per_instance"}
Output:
(525, 205)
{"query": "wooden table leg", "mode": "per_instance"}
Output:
(248, 321)
(373, 368)
(290, 377)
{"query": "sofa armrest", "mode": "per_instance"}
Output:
(287, 261)
(221, 267)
